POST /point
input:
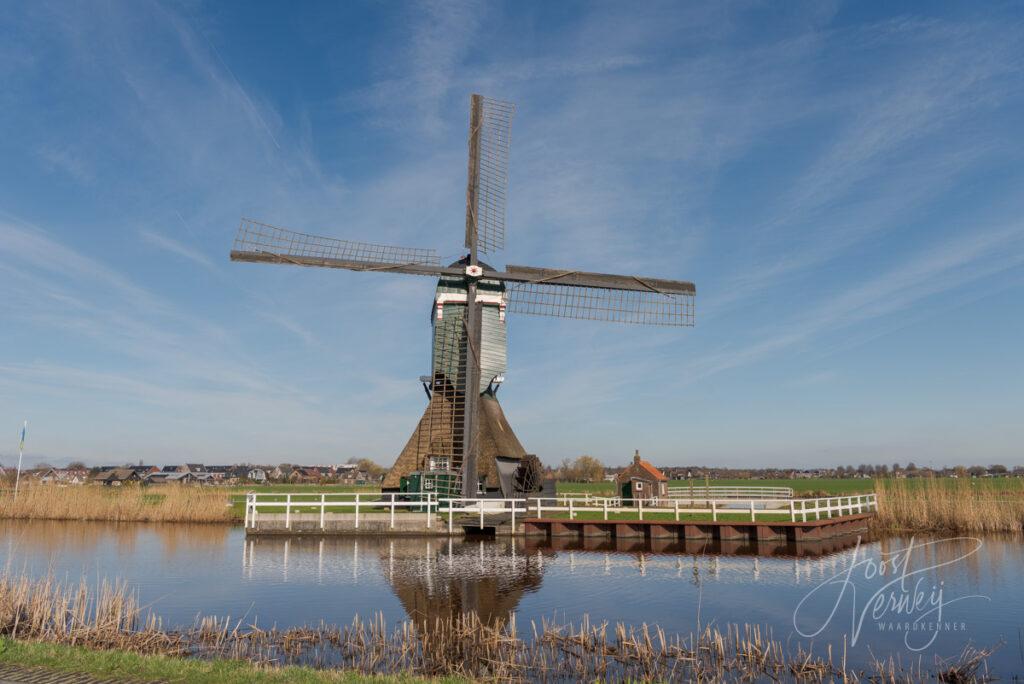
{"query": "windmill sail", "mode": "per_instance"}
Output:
(490, 139)
(598, 296)
(257, 241)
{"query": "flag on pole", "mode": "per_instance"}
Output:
(21, 444)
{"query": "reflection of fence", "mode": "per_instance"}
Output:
(706, 493)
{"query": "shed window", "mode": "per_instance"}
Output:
(639, 486)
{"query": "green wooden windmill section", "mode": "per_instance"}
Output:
(448, 334)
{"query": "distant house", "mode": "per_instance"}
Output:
(220, 473)
(256, 475)
(349, 473)
(63, 476)
(305, 475)
(179, 478)
(49, 476)
(641, 480)
(144, 470)
(281, 473)
(115, 477)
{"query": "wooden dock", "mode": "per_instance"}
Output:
(811, 530)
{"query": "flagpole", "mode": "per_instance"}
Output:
(21, 451)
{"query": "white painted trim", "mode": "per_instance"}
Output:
(454, 298)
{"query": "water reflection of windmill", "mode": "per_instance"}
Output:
(463, 441)
(451, 579)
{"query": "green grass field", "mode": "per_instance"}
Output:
(809, 487)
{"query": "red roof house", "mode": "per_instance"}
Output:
(641, 480)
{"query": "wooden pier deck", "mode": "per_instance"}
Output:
(811, 530)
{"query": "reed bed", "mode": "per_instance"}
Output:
(109, 617)
(129, 503)
(950, 505)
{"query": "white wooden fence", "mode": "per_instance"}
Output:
(795, 509)
(802, 510)
(347, 502)
(716, 492)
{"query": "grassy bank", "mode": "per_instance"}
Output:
(950, 505)
(129, 503)
(120, 665)
(801, 487)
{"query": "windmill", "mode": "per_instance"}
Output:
(463, 431)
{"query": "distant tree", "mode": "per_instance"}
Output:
(977, 471)
(960, 471)
(883, 470)
(998, 469)
(371, 468)
(583, 469)
(896, 468)
(77, 465)
(43, 465)
(911, 468)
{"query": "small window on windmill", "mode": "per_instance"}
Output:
(438, 463)
(428, 483)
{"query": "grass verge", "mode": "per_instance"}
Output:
(119, 665)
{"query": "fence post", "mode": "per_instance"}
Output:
(571, 513)
(675, 502)
(323, 505)
(792, 511)
(751, 510)
(803, 509)
(604, 505)
(357, 511)
(714, 511)
(393, 510)
(248, 500)
(288, 511)
(450, 516)
(538, 506)
(513, 520)
(640, 503)
(480, 503)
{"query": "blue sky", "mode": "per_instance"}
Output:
(843, 182)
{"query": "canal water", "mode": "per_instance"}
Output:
(916, 599)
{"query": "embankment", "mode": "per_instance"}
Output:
(129, 503)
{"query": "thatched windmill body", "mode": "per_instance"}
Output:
(463, 430)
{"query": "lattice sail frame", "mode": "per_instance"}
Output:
(441, 433)
(492, 173)
(600, 304)
(263, 238)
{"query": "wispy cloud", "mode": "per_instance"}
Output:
(173, 246)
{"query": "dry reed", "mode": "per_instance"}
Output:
(948, 505)
(129, 503)
(110, 618)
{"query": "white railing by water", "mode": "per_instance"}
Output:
(341, 502)
(801, 510)
(573, 507)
